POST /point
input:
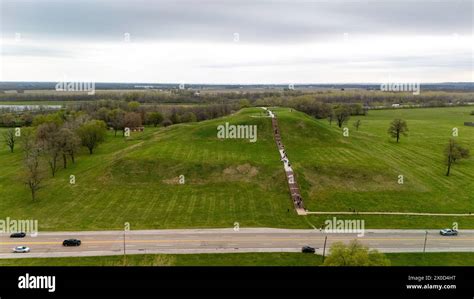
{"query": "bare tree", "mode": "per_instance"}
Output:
(10, 138)
(357, 124)
(398, 127)
(69, 143)
(331, 117)
(48, 138)
(27, 141)
(132, 120)
(116, 120)
(33, 171)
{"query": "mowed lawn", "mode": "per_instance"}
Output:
(240, 259)
(361, 172)
(137, 181)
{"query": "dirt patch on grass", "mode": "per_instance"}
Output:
(240, 172)
(301, 125)
(171, 181)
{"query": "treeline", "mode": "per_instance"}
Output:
(142, 96)
(276, 97)
(317, 109)
(369, 98)
(121, 114)
(51, 140)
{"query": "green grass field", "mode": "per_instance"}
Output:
(232, 180)
(137, 182)
(239, 259)
(361, 171)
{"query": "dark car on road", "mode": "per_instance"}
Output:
(308, 249)
(448, 232)
(18, 235)
(72, 242)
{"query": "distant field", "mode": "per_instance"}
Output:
(239, 259)
(233, 180)
(24, 103)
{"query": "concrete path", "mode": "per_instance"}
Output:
(290, 175)
(388, 213)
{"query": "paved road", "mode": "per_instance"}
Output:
(226, 240)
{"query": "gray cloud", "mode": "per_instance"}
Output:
(462, 61)
(257, 21)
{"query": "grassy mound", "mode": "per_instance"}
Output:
(137, 180)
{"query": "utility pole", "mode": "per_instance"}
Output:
(324, 249)
(426, 237)
(124, 250)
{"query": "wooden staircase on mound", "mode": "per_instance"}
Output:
(290, 175)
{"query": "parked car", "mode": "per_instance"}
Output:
(308, 249)
(448, 232)
(21, 249)
(72, 242)
(18, 235)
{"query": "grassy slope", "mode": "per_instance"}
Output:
(135, 181)
(233, 180)
(239, 259)
(361, 171)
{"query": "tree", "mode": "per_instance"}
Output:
(9, 138)
(8, 119)
(342, 114)
(244, 103)
(92, 133)
(357, 124)
(69, 143)
(155, 118)
(116, 120)
(48, 139)
(167, 122)
(188, 117)
(33, 172)
(27, 141)
(133, 106)
(102, 114)
(331, 117)
(55, 118)
(132, 120)
(354, 254)
(175, 118)
(398, 127)
(27, 118)
(453, 152)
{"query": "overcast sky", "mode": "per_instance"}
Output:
(242, 42)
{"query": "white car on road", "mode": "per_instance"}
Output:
(21, 249)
